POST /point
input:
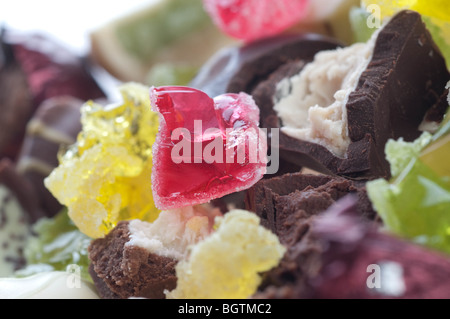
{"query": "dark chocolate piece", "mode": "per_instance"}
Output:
(54, 127)
(241, 68)
(16, 104)
(21, 188)
(405, 78)
(437, 111)
(121, 271)
(18, 210)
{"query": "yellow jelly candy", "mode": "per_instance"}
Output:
(105, 176)
(438, 9)
(228, 263)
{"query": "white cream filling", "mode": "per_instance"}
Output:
(312, 104)
(173, 231)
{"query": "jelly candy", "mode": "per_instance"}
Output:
(228, 263)
(435, 13)
(415, 203)
(105, 176)
(251, 20)
(206, 148)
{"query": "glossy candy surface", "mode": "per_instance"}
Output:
(206, 148)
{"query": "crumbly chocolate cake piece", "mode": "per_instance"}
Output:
(124, 271)
(285, 201)
(405, 77)
(54, 126)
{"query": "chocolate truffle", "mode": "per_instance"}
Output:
(400, 75)
(239, 68)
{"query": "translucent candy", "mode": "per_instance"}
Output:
(228, 264)
(206, 148)
(106, 176)
(250, 20)
(436, 15)
(415, 203)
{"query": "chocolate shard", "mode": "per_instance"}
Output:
(405, 78)
(240, 68)
(121, 271)
(53, 127)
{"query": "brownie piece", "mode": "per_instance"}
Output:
(122, 271)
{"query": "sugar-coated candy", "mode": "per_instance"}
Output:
(105, 176)
(228, 263)
(250, 20)
(206, 148)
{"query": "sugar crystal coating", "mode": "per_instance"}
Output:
(228, 263)
(250, 20)
(105, 176)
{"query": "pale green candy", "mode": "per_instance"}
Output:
(415, 203)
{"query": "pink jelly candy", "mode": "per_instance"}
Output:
(206, 148)
(251, 20)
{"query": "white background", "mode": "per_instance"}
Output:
(69, 21)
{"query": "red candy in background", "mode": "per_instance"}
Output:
(206, 148)
(52, 70)
(251, 20)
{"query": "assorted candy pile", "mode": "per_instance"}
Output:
(167, 192)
